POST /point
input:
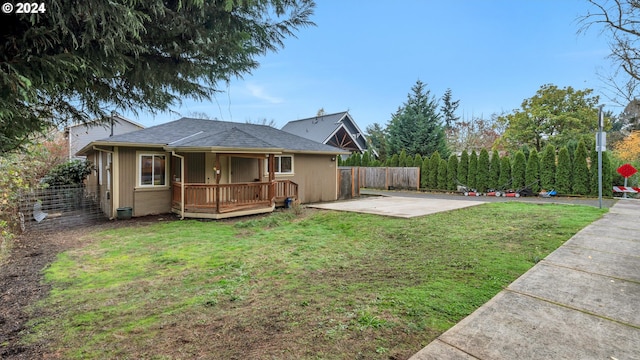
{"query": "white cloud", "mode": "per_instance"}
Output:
(260, 93)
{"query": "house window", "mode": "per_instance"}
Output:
(153, 170)
(283, 164)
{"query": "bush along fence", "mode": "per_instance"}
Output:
(567, 172)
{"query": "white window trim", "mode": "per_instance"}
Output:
(277, 171)
(139, 184)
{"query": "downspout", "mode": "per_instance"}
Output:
(181, 183)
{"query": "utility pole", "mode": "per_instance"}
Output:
(600, 146)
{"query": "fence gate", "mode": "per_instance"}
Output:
(348, 182)
(59, 207)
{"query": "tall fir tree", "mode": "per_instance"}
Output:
(434, 164)
(79, 60)
(416, 126)
(548, 168)
(581, 177)
(449, 107)
(473, 170)
(482, 178)
(424, 173)
(494, 170)
(463, 168)
(518, 170)
(564, 170)
(504, 181)
(532, 172)
(452, 169)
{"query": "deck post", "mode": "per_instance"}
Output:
(272, 178)
(217, 174)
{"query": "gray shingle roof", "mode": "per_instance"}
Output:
(317, 128)
(194, 133)
(321, 128)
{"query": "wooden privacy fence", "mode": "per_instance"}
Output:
(386, 178)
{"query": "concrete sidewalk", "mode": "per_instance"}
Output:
(580, 302)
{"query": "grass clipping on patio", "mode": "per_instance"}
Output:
(318, 285)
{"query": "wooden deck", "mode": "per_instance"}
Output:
(219, 201)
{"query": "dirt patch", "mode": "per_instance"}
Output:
(21, 282)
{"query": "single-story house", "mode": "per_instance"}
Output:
(339, 130)
(79, 135)
(209, 169)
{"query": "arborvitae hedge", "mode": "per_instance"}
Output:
(452, 170)
(473, 170)
(518, 170)
(494, 170)
(393, 161)
(482, 178)
(532, 173)
(593, 172)
(548, 168)
(402, 159)
(504, 181)
(434, 164)
(463, 168)
(442, 174)
(607, 176)
(581, 178)
(424, 173)
(417, 160)
(563, 172)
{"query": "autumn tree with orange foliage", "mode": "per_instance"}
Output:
(629, 148)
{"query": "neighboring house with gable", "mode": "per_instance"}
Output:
(210, 169)
(78, 136)
(339, 130)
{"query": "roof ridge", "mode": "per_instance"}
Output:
(319, 116)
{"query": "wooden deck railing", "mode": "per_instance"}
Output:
(231, 197)
(286, 189)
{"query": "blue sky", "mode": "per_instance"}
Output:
(364, 57)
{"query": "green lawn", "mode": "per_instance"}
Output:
(321, 285)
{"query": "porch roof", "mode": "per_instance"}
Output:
(189, 134)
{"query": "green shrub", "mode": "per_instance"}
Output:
(548, 168)
(518, 170)
(504, 181)
(442, 174)
(473, 170)
(69, 173)
(417, 161)
(482, 177)
(532, 172)
(434, 164)
(463, 168)
(452, 169)
(424, 173)
(494, 170)
(393, 161)
(581, 176)
(593, 172)
(402, 159)
(607, 175)
(563, 172)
